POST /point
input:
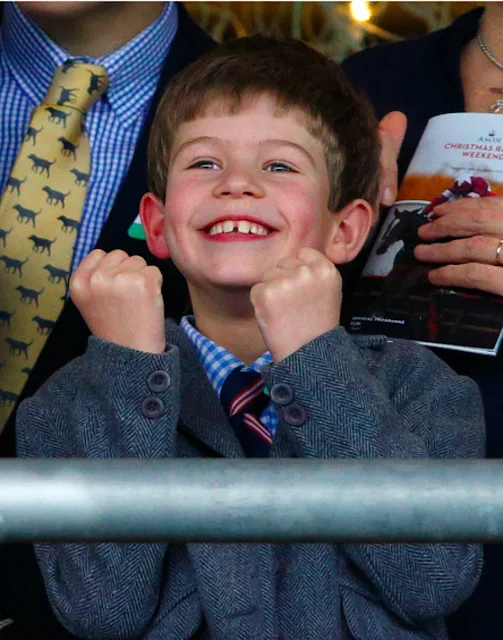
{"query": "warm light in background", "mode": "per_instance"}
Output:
(360, 10)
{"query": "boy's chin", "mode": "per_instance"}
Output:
(235, 281)
(225, 281)
(236, 286)
(58, 9)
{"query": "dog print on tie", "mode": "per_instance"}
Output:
(40, 212)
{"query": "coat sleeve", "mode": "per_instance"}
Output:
(92, 408)
(393, 400)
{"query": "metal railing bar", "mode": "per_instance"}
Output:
(251, 500)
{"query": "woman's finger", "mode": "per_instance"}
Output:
(472, 275)
(466, 217)
(483, 249)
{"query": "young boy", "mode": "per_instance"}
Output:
(264, 173)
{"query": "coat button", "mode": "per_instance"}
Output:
(152, 408)
(158, 381)
(295, 415)
(282, 393)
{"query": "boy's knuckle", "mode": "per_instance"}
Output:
(77, 292)
(266, 273)
(97, 279)
(152, 273)
(121, 279)
(255, 293)
(272, 291)
(327, 270)
(305, 271)
(75, 280)
(129, 281)
(119, 253)
(137, 260)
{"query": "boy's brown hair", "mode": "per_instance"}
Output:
(296, 76)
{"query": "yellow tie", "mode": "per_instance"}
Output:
(40, 213)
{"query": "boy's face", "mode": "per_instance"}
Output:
(243, 191)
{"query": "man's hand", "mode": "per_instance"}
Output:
(392, 131)
(297, 301)
(476, 224)
(120, 299)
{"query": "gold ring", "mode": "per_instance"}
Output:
(498, 251)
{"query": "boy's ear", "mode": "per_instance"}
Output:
(152, 220)
(352, 225)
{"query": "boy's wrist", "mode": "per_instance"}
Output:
(153, 347)
(283, 351)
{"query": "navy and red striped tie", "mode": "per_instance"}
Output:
(244, 400)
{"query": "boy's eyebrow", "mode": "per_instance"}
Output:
(192, 141)
(279, 141)
(289, 143)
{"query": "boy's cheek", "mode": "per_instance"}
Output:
(180, 202)
(307, 230)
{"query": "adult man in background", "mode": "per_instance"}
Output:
(139, 46)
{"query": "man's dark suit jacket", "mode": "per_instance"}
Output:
(421, 77)
(22, 594)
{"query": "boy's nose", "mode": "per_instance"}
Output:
(239, 184)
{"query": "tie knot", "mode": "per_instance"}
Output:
(241, 391)
(77, 85)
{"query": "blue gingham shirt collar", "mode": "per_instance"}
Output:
(32, 58)
(217, 362)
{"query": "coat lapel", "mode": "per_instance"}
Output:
(201, 414)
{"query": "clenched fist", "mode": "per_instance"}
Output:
(297, 301)
(120, 299)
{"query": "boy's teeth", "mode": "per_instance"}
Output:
(242, 226)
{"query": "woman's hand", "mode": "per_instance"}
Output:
(392, 131)
(473, 258)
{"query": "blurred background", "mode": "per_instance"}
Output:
(336, 28)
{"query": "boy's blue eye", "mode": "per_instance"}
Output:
(204, 164)
(278, 167)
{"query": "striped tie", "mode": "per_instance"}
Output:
(244, 400)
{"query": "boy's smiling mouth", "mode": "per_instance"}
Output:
(237, 229)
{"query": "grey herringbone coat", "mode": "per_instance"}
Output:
(363, 398)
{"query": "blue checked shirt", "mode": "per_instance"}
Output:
(28, 59)
(218, 363)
